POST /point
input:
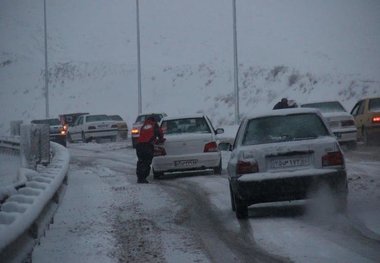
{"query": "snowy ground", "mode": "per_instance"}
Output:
(106, 217)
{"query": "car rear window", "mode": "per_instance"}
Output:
(141, 118)
(331, 106)
(374, 104)
(92, 118)
(187, 125)
(292, 127)
(116, 118)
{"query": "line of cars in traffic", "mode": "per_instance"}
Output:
(280, 155)
(83, 126)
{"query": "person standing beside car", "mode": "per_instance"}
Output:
(283, 104)
(150, 133)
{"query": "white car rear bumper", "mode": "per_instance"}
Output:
(345, 135)
(171, 163)
(101, 134)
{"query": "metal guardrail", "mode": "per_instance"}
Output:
(27, 212)
(10, 144)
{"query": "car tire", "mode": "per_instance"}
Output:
(157, 175)
(218, 169)
(352, 145)
(233, 207)
(84, 138)
(63, 143)
(366, 138)
(133, 143)
(241, 208)
(69, 139)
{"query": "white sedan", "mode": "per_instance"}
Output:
(190, 145)
(88, 127)
(285, 155)
(340, 121)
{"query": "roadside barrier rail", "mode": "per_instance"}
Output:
(27, 212)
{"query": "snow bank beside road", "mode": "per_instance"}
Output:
(24, 207)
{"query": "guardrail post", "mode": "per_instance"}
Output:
(34, 145)
(16, 128)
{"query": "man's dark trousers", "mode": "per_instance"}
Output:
(144, 153)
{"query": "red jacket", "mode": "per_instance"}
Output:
(149, 132)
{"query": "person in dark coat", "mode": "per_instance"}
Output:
(283, 104)
(150, 133)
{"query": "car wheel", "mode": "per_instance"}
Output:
(241, 208)
(365, 136)
(133, 143)
(218, 169)
(84, 138)
(232, 199)
(157, 175)
(69, 139)
(63, 142)
(352, 145)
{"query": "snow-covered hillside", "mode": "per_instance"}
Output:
(303, 49)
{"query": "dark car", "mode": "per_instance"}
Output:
(57, 130)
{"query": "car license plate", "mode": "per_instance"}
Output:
(185, 163)
(102, 126)
(289, 162)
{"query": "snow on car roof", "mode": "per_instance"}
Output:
(282, 112)
(185, 116)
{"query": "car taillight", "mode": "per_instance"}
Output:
(135, 131)
(63, 132)
(376, 119)
(210, 147)
(159, 151)
(114, 126)
(347, 123)
(246, 167)
(332, 158)
(65, 127)
(91, 127)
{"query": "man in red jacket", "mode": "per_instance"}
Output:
(150, 133)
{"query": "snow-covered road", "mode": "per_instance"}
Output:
(107, 217)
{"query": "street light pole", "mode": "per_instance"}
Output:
(236, 70)
(138, 57)
(46, 67)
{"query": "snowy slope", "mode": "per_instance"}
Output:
(301, 49)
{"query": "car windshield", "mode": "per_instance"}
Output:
(374, 104)
(332, 106)
(292, 127)
(92, 118)
(188, 125)
(115, 117)
(51, 122)
(141, 118)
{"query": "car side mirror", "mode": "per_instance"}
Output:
(219, 131)
(225, 146)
